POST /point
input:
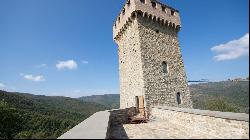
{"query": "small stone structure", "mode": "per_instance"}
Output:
(150, 60)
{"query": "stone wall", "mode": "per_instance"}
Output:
(130, 66)
(161, 13)
(209, 123)
(120, 116)
(160, 44)
(95, 127)
(147, 37)
(99, 125)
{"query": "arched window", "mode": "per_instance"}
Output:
(165, 67)
(178, 97)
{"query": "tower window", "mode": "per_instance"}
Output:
(153, 4)
(178, 97)
(165, 67)
(172, 12)
(128, 2)
(163, 8)
(123, 11)
(142, 1)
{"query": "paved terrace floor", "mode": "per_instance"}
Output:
(157, 129)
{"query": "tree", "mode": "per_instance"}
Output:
(220, 104)
(10, 120)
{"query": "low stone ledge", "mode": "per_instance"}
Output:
(216, 114)
(98, 126)
(94, 127)
(223, 125)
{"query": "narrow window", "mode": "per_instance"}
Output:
(142, 1)
(123, 11)
(163, 8)
(153, 4)
(128, 2)
(165, 67)
(172, 12)
(178, 98)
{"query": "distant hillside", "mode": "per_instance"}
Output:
(230, 95)
(111, 101)
(48, 117)
(233, 93)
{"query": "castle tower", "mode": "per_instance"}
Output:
(150, 61)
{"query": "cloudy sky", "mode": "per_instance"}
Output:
(65, 47)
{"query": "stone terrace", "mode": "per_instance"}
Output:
(165, 123)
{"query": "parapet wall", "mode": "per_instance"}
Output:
(98, 126)
(210, 123)
(149, 9)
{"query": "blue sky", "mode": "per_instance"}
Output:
(65, 47)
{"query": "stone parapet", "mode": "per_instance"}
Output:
(99, 125)
(94, 127)
(149, 9)
(210, 123)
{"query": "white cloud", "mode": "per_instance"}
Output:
(70, 64)
(30, 77)
(232, 50)
(42, 66)
(85, 62)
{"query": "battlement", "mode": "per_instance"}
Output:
(149, 9)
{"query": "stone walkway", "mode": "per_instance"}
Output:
(156, 130)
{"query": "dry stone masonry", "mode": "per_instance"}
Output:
(150, 60)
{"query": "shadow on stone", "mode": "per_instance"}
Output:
(118, 132)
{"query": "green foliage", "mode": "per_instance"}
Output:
(220, 104)
(111, 101)
(43, 117)
(11, 121)
(26, 116)
(223, 96)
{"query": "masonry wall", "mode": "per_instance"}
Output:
(142, 49)
(130, 66)
(160, 44)
(220, 125)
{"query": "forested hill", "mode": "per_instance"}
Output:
(232, 96)
(42, 116)
(32, 116)
(227, 96)
(111, 101)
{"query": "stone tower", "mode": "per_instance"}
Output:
(150, 60)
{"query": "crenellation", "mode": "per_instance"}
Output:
(150, 9)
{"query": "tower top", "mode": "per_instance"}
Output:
(150, 9)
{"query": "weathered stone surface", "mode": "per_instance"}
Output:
(144, 43)
(210, 123)
(94, 127)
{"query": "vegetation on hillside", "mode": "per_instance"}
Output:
(228, 96)
(41, 117)
(111, 101)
